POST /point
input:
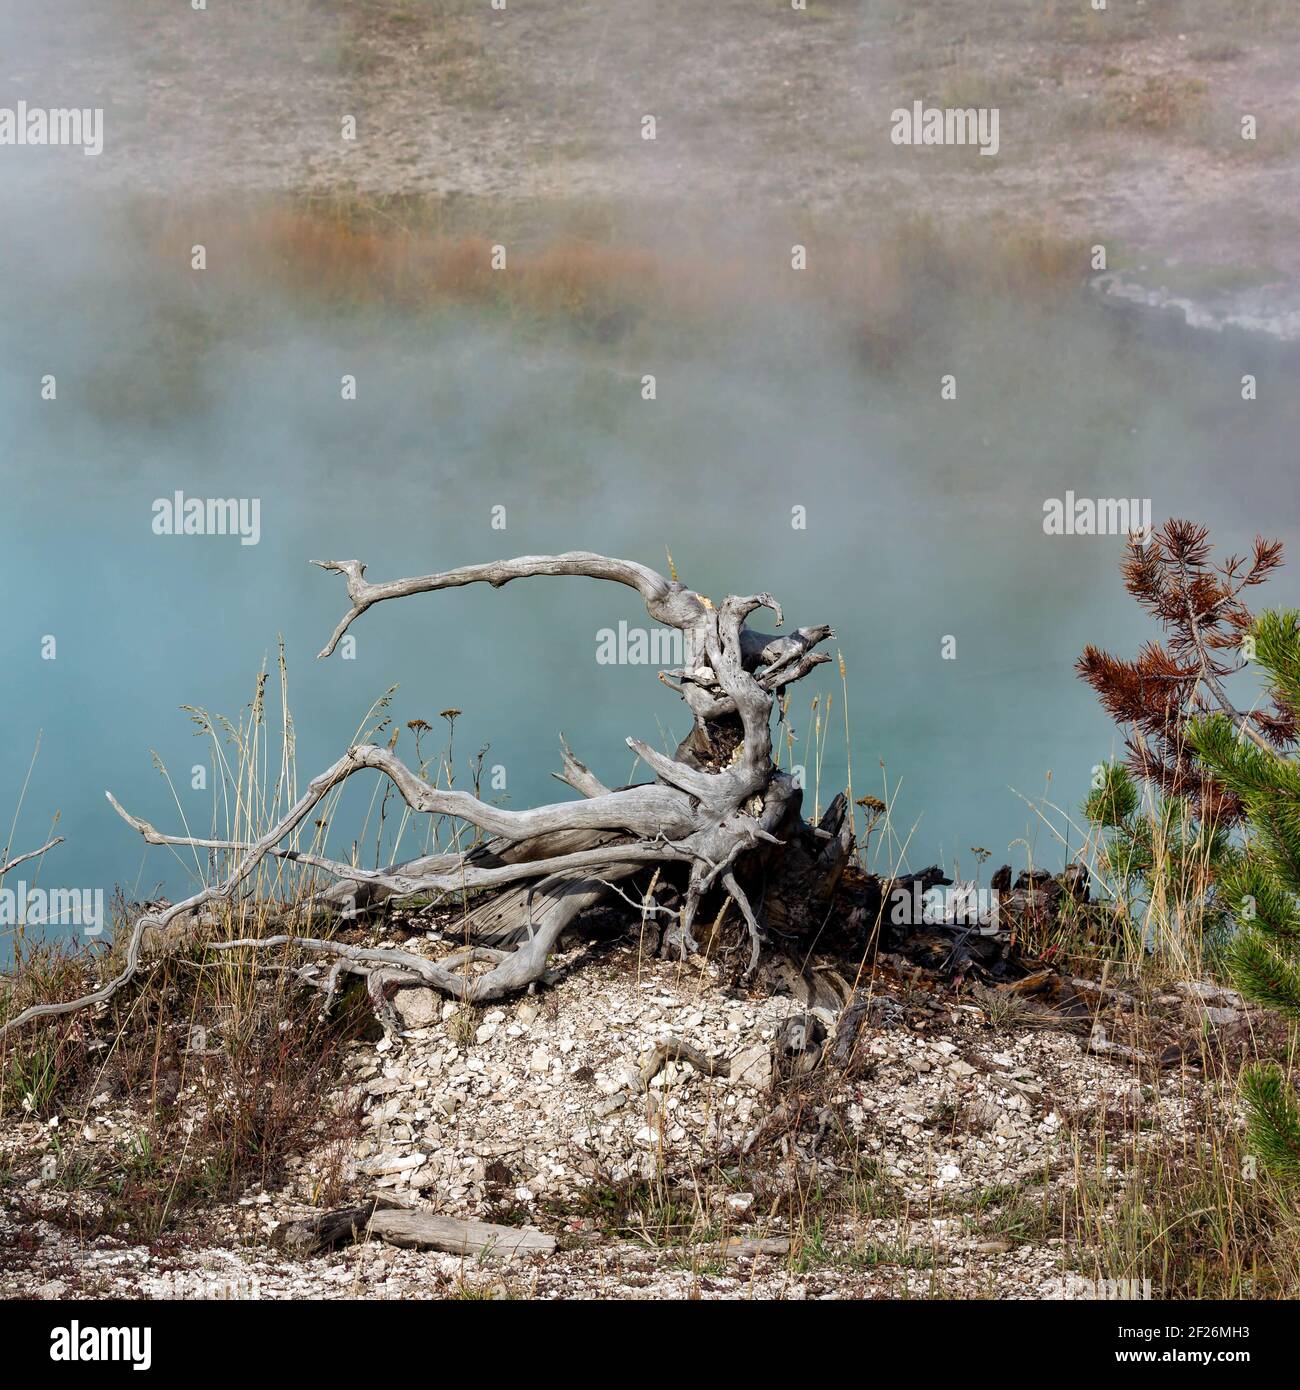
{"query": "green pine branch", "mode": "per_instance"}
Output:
(1264, 974)
(1273, 1128)
(1277, 650)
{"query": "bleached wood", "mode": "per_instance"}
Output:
(706, 817)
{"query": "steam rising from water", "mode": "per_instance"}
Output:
(924, 517)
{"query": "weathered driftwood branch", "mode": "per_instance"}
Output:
(317, 789)
(31, 854)
(678, 1050)
(716, 806)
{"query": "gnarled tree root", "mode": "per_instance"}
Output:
(717, 805)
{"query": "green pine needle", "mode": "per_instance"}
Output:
(1274, 1124)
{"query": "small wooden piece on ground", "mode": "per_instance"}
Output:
(413, 1230)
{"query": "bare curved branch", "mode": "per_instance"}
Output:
(650, 584)
(31, 854)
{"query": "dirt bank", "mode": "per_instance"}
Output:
(1122, 126)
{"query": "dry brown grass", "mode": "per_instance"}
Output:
(360, 258)
(1161, 103)
(415, 258)
(217, 1074)
(216, 1068)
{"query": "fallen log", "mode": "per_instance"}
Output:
(323, 1232)
(741, 1248)
(422, 1230)
(412, 1230)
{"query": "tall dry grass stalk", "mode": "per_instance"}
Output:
(233, 1031)
(1160, 925)
(9, 850)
